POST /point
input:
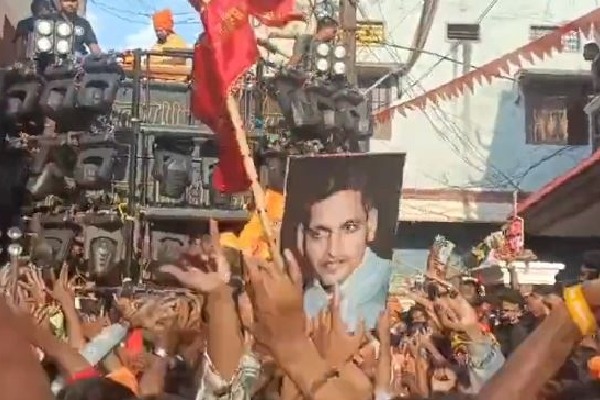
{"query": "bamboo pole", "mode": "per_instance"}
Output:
(257, 191)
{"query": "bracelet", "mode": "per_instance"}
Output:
(318, 384)
(160, 352)
(579, 309)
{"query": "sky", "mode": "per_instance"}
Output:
(127, 24)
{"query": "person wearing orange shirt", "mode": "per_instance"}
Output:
(166, 38)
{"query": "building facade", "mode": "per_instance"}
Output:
(469, 156)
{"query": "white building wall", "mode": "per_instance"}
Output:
(476, 141)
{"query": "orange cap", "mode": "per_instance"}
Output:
(163, 20)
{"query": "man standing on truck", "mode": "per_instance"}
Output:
(166, 39)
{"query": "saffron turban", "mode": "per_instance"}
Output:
(163, 20)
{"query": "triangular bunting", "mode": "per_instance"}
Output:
(502, 67)
(586, 28)
(432, 97)
(514, 59)
(420, 102)
(527, 56)
(478, 76)
(540, 48)
(469, 83)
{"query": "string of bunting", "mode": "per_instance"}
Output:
(501, 66)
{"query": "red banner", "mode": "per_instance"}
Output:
(500, 67)
(226, 51)
(275, 13)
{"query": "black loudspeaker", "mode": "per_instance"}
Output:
(59, 96)
(99, 85)
(21, 95)
(94, 168)
(173, 165)
(167, 247)
(173, 171)
(52, 247)
(103, 248)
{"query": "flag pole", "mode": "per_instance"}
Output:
(257, 191)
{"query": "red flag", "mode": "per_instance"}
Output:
(275, 13)
(225, 52)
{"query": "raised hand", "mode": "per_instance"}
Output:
(214, 271)
(41, 317)
(277, 301)
(331, 337)
(62, 289)
(35, 285)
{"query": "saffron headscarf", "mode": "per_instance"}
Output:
(252, 238)
(163, 20)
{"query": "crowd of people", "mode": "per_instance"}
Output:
(243, 333)
(321, 326)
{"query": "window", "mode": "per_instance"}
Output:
(556, 119)
(379, 97)
(571, 42)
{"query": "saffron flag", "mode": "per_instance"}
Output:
(275, 13)
(224, 53)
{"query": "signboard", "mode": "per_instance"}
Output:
(369, 33)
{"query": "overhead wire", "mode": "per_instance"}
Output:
(128, 15)
(464, 141)
(426, 19)
(500, 178)
(454, 46)
(458, 142)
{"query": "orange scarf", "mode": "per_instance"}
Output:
(126, 378)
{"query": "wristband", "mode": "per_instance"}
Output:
(86, 373)
(579, 309)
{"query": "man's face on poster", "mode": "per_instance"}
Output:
(335, 240)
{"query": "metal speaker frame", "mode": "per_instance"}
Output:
(56, 240)
(114, 235)
(92, 175)
(162, 253)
